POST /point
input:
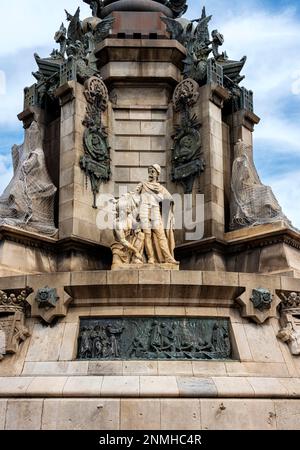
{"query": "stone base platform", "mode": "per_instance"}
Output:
(156, 266)
(145, 403)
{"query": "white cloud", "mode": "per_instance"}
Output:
(5, 171)
(287, 189)
(32, 23)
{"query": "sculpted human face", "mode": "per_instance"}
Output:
(153, 175)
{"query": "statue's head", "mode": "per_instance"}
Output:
(33, 137)
(154, 172)
(240, 148)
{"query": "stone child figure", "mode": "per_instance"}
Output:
(159, 239)
(129, 239)
(28, 200)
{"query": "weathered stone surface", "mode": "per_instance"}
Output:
(196, 387)
(180, 415)
(238, 415)
(158, 386)
(263, 343)
(46, 387)
(105, 368)
(24, 414)
(140, 415)
(45, 343)
(81, 414)
(125, 386)
(233, 387)
(287, 414)
(264, 386)
(140, 368)
(83, 387)
(3, 406)
(14, 386)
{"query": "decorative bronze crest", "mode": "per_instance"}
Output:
(96, 160)
(187, 162)
(47, 297)
(261, 299)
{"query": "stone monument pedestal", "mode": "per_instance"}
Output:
(88, 340)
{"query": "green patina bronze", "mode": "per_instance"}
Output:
(154, 338)
(96, 159)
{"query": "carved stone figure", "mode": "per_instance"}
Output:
(28, 200)
(252, 203)
(141, 236)
(129, 239)
(12, 320)
(159, 237)
(154, 338)
(290, 320)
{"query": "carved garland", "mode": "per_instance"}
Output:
(96, 160)
(187, 161)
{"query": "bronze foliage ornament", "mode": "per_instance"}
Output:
(96, 160)
(187, 160)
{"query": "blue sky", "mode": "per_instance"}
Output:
(268, 32)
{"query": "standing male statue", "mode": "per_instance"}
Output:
(144, 225)
(159, 237)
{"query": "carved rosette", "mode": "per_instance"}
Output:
(96, 159)
(258, 303)
(289, 309)
(187, 161)
(49, 303)
(12, 320)
(262, 299)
